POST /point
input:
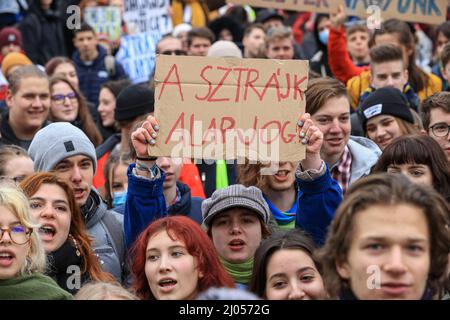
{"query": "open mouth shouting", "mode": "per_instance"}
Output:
(47, 232)
(166, 285)
(236, 244)
(6, 258)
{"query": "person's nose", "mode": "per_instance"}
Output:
(395, 263)
(296, 292)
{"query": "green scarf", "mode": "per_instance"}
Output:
(221, 174)
(32, 287)
(240, 272)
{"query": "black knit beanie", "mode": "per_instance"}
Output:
(387, 100)
(134, 101)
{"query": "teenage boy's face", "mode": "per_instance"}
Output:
(78, 172)
(358, 44)
(389, 254)
(199, 47)
(86, 43)
(333, 119)
(236, 234)
(389, 74)
(29, 106)
(440, 116)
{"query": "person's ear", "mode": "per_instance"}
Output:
(343, 269)
(9, 99)
(423, 132)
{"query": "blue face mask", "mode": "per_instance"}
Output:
(119, 198)
(323, 36)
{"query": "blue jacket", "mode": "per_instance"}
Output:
(145, 203)
(92, 76)
(317, 204)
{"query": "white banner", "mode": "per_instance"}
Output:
(148, 15)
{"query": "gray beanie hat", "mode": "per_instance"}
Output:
(58, 141)
(233, 196)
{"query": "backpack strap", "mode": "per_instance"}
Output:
(110, 64)
(115, 233)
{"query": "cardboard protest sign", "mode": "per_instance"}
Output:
(423, 11)
(148, 15)
(137, 55)
(320, 6)
(229, 108)
(105, 20)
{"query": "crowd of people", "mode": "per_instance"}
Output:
(88, 212)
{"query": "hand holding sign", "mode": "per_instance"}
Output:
(145, 136)
(311, 136)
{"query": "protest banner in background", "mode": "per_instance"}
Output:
(148, 15)
(105, 20)
(320, 6)
(137, 55)
(229, 108)
(423, 11)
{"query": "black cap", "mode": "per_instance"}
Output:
(267, 14)
(387, 100)
(134, 101)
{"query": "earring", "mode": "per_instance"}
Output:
(75, 243)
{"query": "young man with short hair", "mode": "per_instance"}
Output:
(254, 41)
(435, 112)
(28, 102)
(94, 66)
(349, 157)
(389, 70)
(199, 40)
(170, 45)
(280, 44)
(67, 152)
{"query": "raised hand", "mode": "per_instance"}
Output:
(144, 136)
(338, 19)
(311, 136)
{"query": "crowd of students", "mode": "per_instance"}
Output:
(87, 212)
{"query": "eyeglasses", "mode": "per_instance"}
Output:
(440, 129)
(60, 98)
(18, 234)
(174, 52)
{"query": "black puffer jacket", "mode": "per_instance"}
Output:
(42, 33)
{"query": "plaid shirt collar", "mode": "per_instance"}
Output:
(341, 171)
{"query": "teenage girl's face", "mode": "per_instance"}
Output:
(292, 275)
(65, 104)
(383, 129)
(119, 181)
(394, 39)
(12, 255)
(50, 208)
(18, 168)
(170, 269)
(417, 173)
(389, 254)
